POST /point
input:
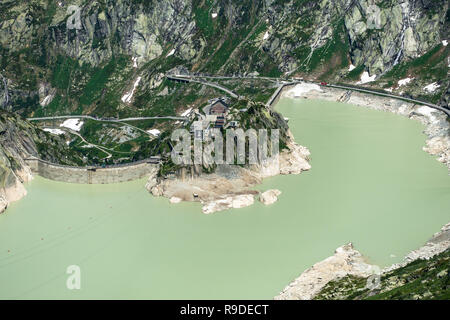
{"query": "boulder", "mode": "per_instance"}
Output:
(269, 197)
(231, 202)
(175, 200)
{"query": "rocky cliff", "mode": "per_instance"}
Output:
(20, 140)
(423, 275)
(66, 56)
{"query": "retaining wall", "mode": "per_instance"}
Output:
(91, 175)
(277, 94)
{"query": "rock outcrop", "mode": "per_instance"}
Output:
(345, 261)
(294, 160)
(175, 200)
(230, 186)
(269, 197)
(19, 140)
(318, 37)
(345, 275)
(349, 266)
(231, 202)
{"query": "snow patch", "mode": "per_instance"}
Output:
(129, 95)
(366, 78)
(431, 87)
(351, 68)
(54, 131)
(427, 112)
(214, 15)
(74, 124)
(135, 64)
(266, 35)
(154, 132)
(170, 53)
(405, 81)
(186, 113)
(302, 88)
(46, 101)
(445, 43)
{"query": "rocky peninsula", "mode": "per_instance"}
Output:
(347, 274)
(345, 261)
(230, 186)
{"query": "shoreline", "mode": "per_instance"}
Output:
(220, 198)
(231, 186)
(346, 260)
(16, 191)
(437, 126)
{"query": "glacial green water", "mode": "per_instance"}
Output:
(371, 184)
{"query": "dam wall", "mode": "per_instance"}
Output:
(92, 175)
(277, 94)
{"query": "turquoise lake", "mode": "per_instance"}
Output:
(370, 184)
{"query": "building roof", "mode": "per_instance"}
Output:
(218, 106)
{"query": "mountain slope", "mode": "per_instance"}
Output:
(112, 61)
(19, 140)
(88, 70)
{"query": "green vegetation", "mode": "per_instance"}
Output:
(99, 80)
(203, 18)
(419, 280)
(428, 66)
(91, 70)
(257, 90)
(62, 72)
(355, 74)
(330, 58)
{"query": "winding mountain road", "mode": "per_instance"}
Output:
(106, 119)
(364, 90)
(198, 79)
(206, 83)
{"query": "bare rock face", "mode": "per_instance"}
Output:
(3, 204)
(232, 202)
(269, 197)
(18, 141)
(439, 146)
(157, 191)
(345, 261)
(294, 160)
